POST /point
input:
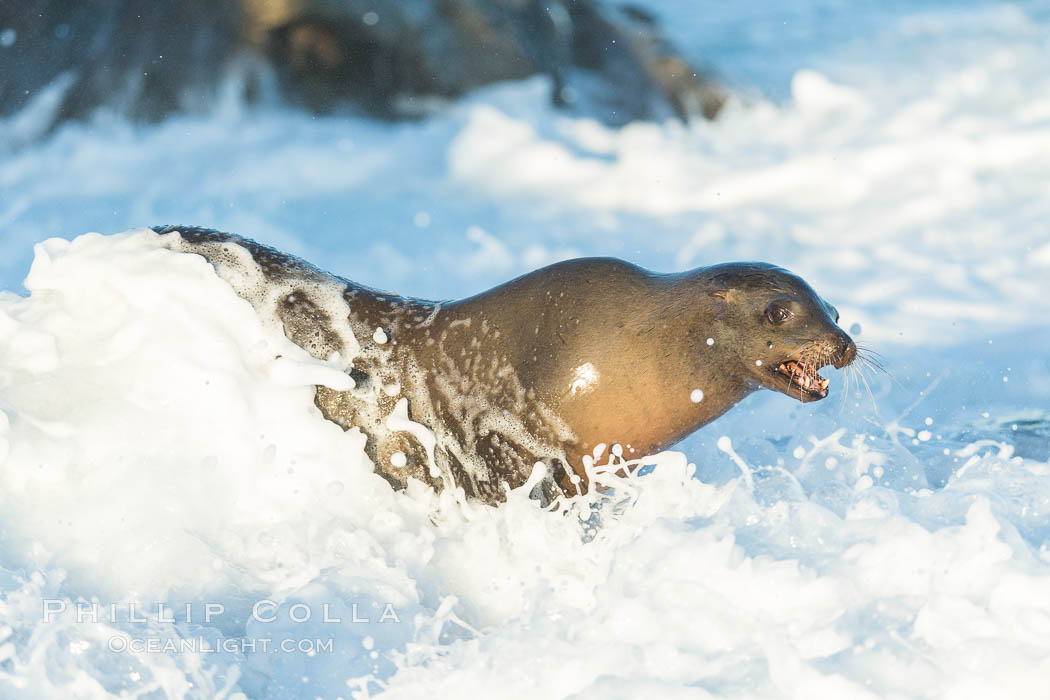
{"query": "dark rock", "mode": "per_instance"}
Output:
(387, 58)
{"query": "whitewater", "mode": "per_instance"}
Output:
(173, 508)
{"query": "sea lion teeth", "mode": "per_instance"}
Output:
(542, 369)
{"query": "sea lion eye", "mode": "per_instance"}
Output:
(777, 314)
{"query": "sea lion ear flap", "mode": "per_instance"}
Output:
(723, 297)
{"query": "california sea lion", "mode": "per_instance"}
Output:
(473, 393)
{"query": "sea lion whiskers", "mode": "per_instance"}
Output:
(853, 376)
(864, 354)
(824, 356)
(806, 362)
(858, 368)
(846, 378)
(798, 352)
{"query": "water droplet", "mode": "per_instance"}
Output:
(696, 396)
(854, 329)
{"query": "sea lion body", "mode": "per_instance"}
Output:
(473, 393)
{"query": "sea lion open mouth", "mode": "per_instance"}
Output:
(802, 379)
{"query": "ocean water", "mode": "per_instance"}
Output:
(173, 509)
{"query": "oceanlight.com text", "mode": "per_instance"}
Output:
(199, 645)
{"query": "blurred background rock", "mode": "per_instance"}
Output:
(62, 59)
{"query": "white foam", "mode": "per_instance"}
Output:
(399, 421)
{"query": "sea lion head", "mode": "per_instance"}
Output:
(780, 329)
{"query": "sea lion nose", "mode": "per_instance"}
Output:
(847, 352)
